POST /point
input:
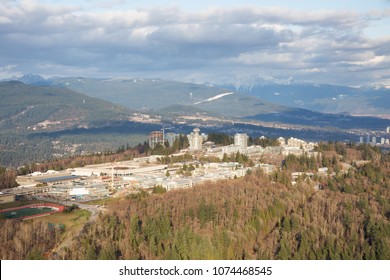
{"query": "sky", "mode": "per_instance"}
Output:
(344, 42)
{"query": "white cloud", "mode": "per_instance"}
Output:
(326, 46)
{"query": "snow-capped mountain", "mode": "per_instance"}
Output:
(364, 100)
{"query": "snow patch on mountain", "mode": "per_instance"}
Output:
(214, 98)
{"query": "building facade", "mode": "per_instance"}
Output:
(6, 197)
(241, 140)
(195, 140)
(156, 137)
(170, 137)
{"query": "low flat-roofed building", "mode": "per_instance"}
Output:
(323, 170)
(27, 190)
(266, 168)
(36, 179)
(295, 175)
(292, 151)
(6, 197)
(231, 149)
(85, 172)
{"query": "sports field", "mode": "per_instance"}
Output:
(28, 211)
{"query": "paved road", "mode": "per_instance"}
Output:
(94, 209)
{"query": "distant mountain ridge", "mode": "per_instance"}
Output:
(28, 107)
(284, 102)
(146, 94)
(366, 101)
(29, 79)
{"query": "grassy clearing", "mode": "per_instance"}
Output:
(72, 220)
(102, 202)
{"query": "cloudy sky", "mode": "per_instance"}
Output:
(343, 42)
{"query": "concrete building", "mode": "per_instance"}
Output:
(266, 168)
(374, 140)
(170, 137)
(195, 140)
(156, 137)
(46, 178)
(292, 151)
(6, 197)
(28, 190)
(361, 139)
(95, 190)
(241, 140)
(388, 129)
(230, 149)
(382, 141)
(295, 142)
(282, 141)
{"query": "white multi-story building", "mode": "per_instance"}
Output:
(295, 142)
(282, 141)
(170, 137)
(230, 149)
(241, 140)
(195, 140)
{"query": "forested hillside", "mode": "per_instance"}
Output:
(256, 217)
(49, 108)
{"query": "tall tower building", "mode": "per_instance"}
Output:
(195, 140)
(170, 137)
(241, 140)
(156, 137)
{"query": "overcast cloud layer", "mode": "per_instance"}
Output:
(214, 44)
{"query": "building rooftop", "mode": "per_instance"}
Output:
(58, 179)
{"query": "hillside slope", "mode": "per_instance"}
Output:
(27, 107)
(169, 97)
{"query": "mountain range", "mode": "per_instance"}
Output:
(364, 101)
(156, 95)
(274, 95)
(102, 113)
(291, 103)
